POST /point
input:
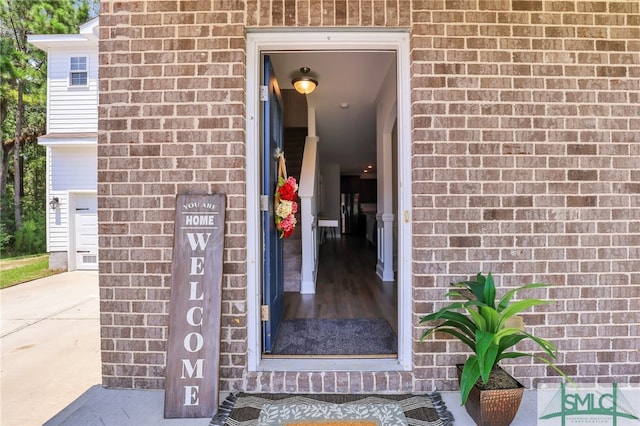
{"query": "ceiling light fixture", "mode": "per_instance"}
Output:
(304, 84)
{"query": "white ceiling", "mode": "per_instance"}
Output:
(347, 136)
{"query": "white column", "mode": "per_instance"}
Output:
(384, 268)
(386, 114)
(307, 192)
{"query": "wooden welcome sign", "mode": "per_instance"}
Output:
(193, 353)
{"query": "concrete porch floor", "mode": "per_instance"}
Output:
(50, 363)
(99, 406)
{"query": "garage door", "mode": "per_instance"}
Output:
(86, 223)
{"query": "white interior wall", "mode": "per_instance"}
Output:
(330, 191)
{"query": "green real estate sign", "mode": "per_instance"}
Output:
(601, 405)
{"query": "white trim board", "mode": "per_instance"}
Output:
(261, 41)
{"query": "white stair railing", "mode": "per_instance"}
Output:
(307, 192)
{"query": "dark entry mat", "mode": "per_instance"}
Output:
(321, 336)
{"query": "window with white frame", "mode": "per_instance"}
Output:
(78, 75)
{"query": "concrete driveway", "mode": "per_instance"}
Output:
(50, 346)
(50, 360)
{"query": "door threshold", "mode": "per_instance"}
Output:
(371, 356)
(332, 364)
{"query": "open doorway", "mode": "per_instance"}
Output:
(352, 312)
(346, 289)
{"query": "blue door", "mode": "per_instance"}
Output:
(272, 276)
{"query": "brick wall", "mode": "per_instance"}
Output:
(526, 162)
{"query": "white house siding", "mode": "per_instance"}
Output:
(71, 169)
(74, 168)
(72, 123)
(71, 109)
(57, 221)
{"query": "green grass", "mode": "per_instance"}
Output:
(28, 269)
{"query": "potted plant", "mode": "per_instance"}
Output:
(488, 329)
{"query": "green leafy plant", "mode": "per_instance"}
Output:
(31, 239)
(484, 327)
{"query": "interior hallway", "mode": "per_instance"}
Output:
(347, 285)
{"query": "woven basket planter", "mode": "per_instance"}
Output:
(493, 407)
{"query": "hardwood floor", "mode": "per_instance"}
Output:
(347, 286)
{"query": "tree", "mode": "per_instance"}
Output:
(23, 80)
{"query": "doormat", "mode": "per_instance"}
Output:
(324, 336)
(246, 409)
(321, 413)
(336, 423)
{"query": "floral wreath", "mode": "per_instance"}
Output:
(286, 205)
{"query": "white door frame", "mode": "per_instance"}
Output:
(270, 40)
